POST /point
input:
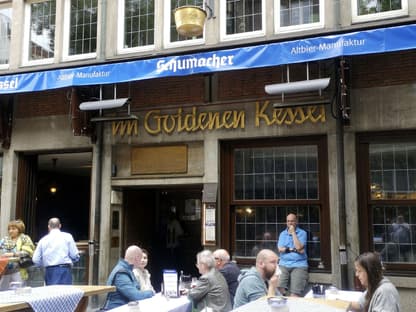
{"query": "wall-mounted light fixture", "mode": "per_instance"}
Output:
(114, 103)
(114, 118)
(297, 86)
(303, 103)
(104, 104)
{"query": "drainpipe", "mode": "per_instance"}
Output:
(95, 243)
(342, 220)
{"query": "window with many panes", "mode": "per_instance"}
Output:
(39, 44)
(242, 18)
(5, 34)
(80, 30)
(387, 182)
(366, 10)
(171, 35)
(136, 25)
(292, 15)
(269, 181)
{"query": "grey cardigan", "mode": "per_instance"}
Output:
(385, 298)
(211, 291)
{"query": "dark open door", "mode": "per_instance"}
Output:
(26, 191)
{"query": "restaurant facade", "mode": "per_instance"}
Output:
(229, 138)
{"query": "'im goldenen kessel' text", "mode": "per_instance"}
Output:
(156, 122)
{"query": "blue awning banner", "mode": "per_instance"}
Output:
(271, 54)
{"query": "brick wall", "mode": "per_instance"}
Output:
(383, 69)
(47, 103)
(167, 91)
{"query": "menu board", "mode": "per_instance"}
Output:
(209, 224)
(170, 283)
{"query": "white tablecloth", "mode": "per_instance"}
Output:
(159, 303)
(346, 295)
(63, 298)
(295, 305)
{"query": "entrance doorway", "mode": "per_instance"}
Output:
(56, 185)
(147, 215)
(63, 191)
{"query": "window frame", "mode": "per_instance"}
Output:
(67, 34)
(300, 27)
(364, 201)
(26, 37)
(244, 35)
(167, 43)
(121, 31)
(3, 7)
(377, 16)
(228, 203)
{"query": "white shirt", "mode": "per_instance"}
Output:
(56, 248)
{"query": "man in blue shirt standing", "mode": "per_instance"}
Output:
(56, 252)
(122, 276)
(293, 258)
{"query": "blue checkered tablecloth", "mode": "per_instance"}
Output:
(63, 298)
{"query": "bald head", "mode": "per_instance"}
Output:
(266, 263)
(133, 255)
(264, 255)
(54, 223)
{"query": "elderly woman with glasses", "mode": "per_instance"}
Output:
(211, 290)
(13, 246)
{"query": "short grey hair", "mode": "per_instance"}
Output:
(222, 254)
(206, 257)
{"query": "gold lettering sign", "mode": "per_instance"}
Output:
(129, 127)
(157, 122)
(288, 115)
(159, 159)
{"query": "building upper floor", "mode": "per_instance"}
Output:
(42, 34)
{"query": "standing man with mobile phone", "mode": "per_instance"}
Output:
(293, 258)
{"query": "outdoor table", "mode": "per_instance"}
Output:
(298, 304)
(346, 295)
(160, 303)
(39, 299)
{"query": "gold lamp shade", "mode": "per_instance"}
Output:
(190, 20)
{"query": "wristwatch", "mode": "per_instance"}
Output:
(290, 250)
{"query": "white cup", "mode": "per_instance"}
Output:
(15, 285)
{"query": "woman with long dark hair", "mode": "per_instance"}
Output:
(380, 294)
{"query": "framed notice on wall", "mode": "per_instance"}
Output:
(208, 224)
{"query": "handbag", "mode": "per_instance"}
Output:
(25, 261)
(3, 264)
